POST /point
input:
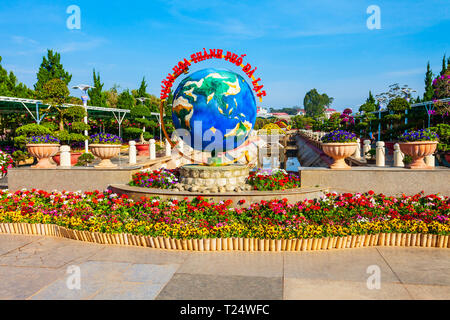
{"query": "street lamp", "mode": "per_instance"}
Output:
(84, 98)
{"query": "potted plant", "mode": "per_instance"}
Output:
(417, 145)
(371, 156)
(339, 144)
(72, 136)
(42, 148)
(443, 147)
(105, 146)
(85, 159)
(139, 114)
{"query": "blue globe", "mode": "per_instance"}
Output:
(216, 108)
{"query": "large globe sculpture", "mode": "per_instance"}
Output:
(217, 109)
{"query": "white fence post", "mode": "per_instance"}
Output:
(429, 160)
(64, 156)
(366, 148)
(168, 148)
(152, 149)
(132, 152)
(381, 154)
(398, 156)
(357, 154)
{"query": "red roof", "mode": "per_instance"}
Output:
(329, 109)
(280, 114)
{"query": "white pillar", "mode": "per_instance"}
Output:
(168, 148)
(132, 152)
(398, 156)
(429, 160)
(357, 154)
(366, 148)
(381, 154)
(64, 156)
(152, 149)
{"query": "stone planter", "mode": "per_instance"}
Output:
(105, 152)
(417, 150)
(73, 158)
(339, 151)
(43, 152)
(143, 149)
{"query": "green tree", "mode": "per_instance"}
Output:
(55, 93)
(315, 103)
(11, 87)
(125, 100)
(429, 90)
(369, 105)
(51, 68)
(444, 65)
(96, 95)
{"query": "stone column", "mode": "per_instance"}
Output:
(366, 148)
(65, 156)
(357, 154)
(168, 148)
(429, 160)
(398, 156)
(152, 149)
(381, 154)
(132, 152)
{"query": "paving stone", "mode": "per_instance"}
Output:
(94, 275)
(344, 264)
(22, 282)
(49, 252)
(156, 274)
(129, 291)
(254, 264)
(312, 289)
(424, 292)
(11, 242)
(429, 266)
(112, 280)
(139, 255)
(216, 287)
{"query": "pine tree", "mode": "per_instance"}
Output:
(96, 95)
(429, 90)
(125, 100)
(444, 65)
(11, 87)
(51, 68)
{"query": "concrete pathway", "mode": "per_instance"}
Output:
(36, 267)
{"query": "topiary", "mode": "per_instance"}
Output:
(29, 130)
(398, 105)
(85, 159)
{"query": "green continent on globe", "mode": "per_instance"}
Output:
(219, 100)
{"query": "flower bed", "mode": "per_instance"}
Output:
(162, 179)
(332, 216)
(277, 179)
(420, 135)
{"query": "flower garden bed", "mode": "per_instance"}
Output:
(336, 221)
(262, 180)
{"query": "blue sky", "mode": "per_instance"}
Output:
(297, 45)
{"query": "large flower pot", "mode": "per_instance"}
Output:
(339, 151)
(105, 152)
(143, 149)
(43, 152)
(73, 158)
(417, 150)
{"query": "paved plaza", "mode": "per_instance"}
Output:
(36, 267)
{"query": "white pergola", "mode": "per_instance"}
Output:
(32, 107)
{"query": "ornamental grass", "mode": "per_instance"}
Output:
(333, 215)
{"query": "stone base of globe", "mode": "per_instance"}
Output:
(199, 178)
